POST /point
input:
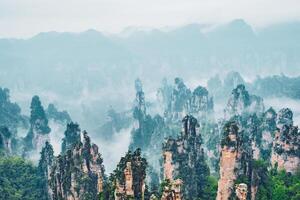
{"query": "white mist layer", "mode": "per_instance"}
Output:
(113, 150)
(56, 136)
(279, 103)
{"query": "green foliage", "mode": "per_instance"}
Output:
(38, 119)
(19, 180)
(210, 190)
(46, 160)
(89, 185)
(141, 136)
(10, 113)
(72, 136)
(4, 135)
(279, 186)
(109, 188)
(138, 165)
(229, 128)
(165, 183)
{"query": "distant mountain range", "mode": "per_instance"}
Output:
(233, 46)
(100, 67)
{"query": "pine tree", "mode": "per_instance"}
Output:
(38, 119)
(72, 136)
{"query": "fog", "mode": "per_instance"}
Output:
(87, 73)
(28, 17)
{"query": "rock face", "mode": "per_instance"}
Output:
(286, 145)
(200, 104)
(45, 164)
(241, 102)
(164, 94)
(248, 139)
(241, 191)
(182, 102)
(268, 129)
(147, 134)
(141, 132)
(78, 173)
(235, 160)
(228, 162)
(5, 141)
(184, 158)
(139, 110)
(129, 177)
(149, 131)
(248, 111)
(10, 113)
(172, 190)
(39, 130)
(179, 96)
(72, 136)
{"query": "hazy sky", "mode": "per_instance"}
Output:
(23, 18)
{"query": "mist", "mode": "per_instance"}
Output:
(90, 72)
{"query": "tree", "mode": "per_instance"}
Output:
(72, 136)
(38, 119)
(19, 180)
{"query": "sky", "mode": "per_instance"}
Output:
(25, 18)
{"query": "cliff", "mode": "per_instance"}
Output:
(129, 177)
(39, 130)
(184, 162)
(182, 101)
(286, 145)
(5, 141)
(241, 102)
(78, 173)
(235, 161)
(44, 167)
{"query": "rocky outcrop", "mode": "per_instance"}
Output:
(286, 145)
(39, 130)
(235, 160)
(164, 94)
(141, 132)
(241, 191)
(183, 101)
(228, 162)
(10, 113)
(172, 190)
(45, 164)
(243, 150)
(147, 134)
(200, 104)
(78, 173)
(184, 158)
(241, 102)
(129, 177)
(5, 141)
(248, 111)
(268, 128)
(72, 136)
(139, 109)
(179, 96)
